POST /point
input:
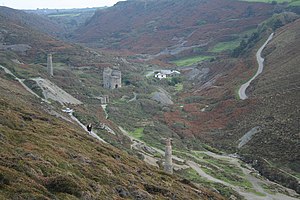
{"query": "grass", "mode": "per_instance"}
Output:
(257, 193)
(65, 15)
(225, 46)
(192, 60)
(295, 3)
(137, 133)
(228, 177)
(193, 176)
(54, 159)
(231, 45)
(291, 2)
(179, 87)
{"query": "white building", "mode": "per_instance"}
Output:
(166, 73)
(160, 76)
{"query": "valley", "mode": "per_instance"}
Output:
(253, 191)
(220, 78)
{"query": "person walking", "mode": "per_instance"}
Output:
(89, 127)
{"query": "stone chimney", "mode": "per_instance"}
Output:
(168, 157)
(49, 65)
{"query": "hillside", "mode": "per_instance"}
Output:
(69, 19)
(44, 153)
(44, 157)
(33, 21)
(213, 45)
(212, 112)
(277, 109)
(170, 27)
(19, 37)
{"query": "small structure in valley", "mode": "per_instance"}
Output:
(168, 167)
(104, 99)
(161, 74)
(49, 65)
(112, 78)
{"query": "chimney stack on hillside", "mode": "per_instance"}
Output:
(168, 157)
(49, 65)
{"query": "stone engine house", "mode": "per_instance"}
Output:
(112, 78)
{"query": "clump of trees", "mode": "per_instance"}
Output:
(246, 44)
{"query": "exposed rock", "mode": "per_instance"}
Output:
(32, 156)
(152, 189)
(16, 47)
(162, 98)
(141, 195)
(117, 157)
(1, 137)
(107, 171)
(123, 192)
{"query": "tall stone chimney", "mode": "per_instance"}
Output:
(168, 157)
(49, 65)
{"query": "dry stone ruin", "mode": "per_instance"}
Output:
(112, 78)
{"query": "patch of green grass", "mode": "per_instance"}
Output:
(211, 149)
(65, 15)
(225, 46)
(199, 154)
(193, 176)
(291, 2)
(257, 193)
(231, 178)
(137, 133)
(191, 60)
(268, 1)
(295, 3)
(269, 188)
(179, 87)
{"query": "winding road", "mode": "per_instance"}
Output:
(260, 61)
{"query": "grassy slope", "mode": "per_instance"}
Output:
(290, 2)
(142, 32)
(277, 110)
(44, 157)
(191, 61)
(36, 22)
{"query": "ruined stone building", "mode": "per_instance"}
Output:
(111, 78)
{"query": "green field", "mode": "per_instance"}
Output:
(224, 46)
(137, 133)
(65, 15)
(191, 60)
(291, 2)
(179, 87)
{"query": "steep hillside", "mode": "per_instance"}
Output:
(44, 153)
(213, 114)
(70, 19)
(33, 21)
(170, 27)
(44, 157)
(32, 45)
(277, 109)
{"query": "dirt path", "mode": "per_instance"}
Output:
(257, 183)
(92, 133)
(21, 81)
(260, 61)
(248, 172)
(133, 99)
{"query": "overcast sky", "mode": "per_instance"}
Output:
(33, 4)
